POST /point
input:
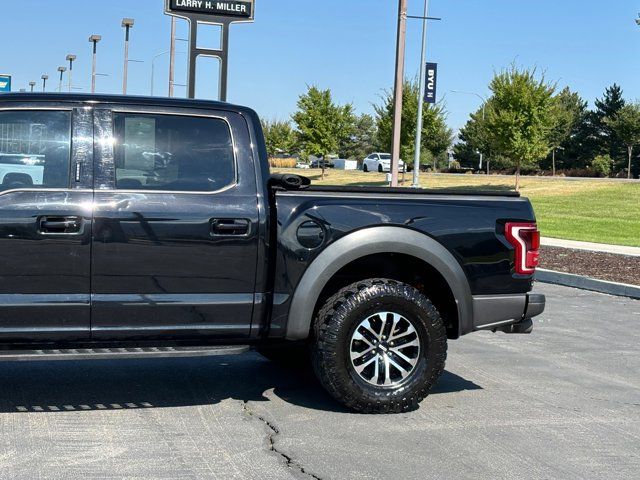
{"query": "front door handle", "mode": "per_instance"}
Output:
(53, 225)
(230, 226)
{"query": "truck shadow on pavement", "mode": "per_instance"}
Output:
(72, 386)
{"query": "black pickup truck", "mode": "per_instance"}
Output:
(141, 227)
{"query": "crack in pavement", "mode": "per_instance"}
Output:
(271, 439)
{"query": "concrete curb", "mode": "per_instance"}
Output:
(586, 283)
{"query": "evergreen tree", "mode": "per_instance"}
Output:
(607, 140)
(362, 142)
(436, 135)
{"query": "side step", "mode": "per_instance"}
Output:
(118, 353)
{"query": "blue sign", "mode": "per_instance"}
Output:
(432, 83)
(5, 83)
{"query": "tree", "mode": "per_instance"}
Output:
(322, 126)
(625, 125)
(606, 109)
(362, 142)
(473, 141)
(567, 111)
(520, 117)
(436, 135)
(279, 137)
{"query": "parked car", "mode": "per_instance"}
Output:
(159, 231)
(380, 162)
(319, 163)
(302, 166)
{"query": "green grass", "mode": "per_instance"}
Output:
(586, 210)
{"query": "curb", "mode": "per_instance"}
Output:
(586, 283)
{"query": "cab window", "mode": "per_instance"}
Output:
(35, 149)
(173, 153)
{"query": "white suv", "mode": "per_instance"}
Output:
(380, 162)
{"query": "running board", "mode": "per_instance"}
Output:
(119, 353)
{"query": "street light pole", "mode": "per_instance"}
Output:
(127, 24)
(423, 73)
(398, 90)
(44, 82)
(94, 39)
(172, 57)
(61, 70)
(71, 59)
(32, 85)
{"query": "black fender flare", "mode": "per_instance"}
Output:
(371, 241)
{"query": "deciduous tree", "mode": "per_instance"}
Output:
(322, 125)
(520, 117)
(279, 137)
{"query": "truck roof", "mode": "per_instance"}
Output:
(115, 99)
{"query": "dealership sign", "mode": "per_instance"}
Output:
(230, 8)
(5, 83)
(432, 83)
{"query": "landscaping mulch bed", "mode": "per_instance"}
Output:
(602, 266)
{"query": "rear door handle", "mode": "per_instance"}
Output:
(53, 225)
(230, 226)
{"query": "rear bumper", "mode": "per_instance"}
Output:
(507, 313)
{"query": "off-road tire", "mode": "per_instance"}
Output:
(333, 329)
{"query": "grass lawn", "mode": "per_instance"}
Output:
(588, 210)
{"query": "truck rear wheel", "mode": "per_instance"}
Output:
(380, 346)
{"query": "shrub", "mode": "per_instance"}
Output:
(282, 162)
(601, 165)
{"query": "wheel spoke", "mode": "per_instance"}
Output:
(387, 372)
(402, 363)
(359, 337)
(357, 356)
(396, 320)
(405, 340)
(403, 371)
(360, 368)
(410, 361)
(367, 333)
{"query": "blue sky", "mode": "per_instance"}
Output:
(345, 45)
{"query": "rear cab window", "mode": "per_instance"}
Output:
(165, 152)
(35, 149)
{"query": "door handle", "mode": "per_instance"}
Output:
(60, 225)
(230, 226)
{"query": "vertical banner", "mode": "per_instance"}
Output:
(432, 83)
(5, 83)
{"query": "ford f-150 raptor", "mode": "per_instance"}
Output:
(154, 227)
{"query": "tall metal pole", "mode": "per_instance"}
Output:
(32, 85)
(423, 74)
(71, 59)
(484, 117)
(398, 90)
(172, 57)
(94, 39)
(127, 24)
(44, 82)
(61, 70)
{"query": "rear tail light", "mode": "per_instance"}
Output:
(525, 238)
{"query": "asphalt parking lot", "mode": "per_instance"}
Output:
(561, 403)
